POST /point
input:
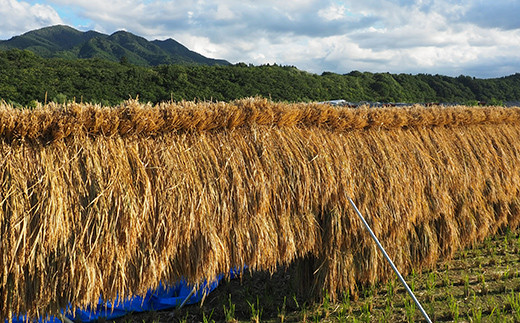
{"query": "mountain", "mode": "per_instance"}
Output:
(67, 42)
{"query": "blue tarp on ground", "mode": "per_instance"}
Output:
(164, 297)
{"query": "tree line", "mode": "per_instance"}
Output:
(26, 78)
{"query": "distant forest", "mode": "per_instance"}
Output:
(26, 78)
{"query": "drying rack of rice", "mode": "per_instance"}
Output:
(110, 201)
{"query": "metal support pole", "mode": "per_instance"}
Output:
(65, 319)
(188, 297)
(390, 262)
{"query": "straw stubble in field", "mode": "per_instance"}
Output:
(110, 201)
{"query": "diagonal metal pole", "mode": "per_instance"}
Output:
(390, 262)
(65, 319)
(189, 296)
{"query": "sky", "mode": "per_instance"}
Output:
(480, 38)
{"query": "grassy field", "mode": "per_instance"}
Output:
(480, 284)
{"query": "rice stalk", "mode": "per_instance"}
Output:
(98, 201)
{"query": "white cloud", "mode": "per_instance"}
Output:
(333, 12)
(203, 45)
(18, 17)
(224, 13)
(412, 36)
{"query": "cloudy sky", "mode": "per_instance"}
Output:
(472, 37)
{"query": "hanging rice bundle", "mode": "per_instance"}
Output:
(99, 201)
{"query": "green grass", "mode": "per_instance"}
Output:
(481, 284)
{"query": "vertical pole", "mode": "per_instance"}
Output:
(390, 262)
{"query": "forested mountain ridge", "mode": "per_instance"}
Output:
(66, 42)
(26, 77)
